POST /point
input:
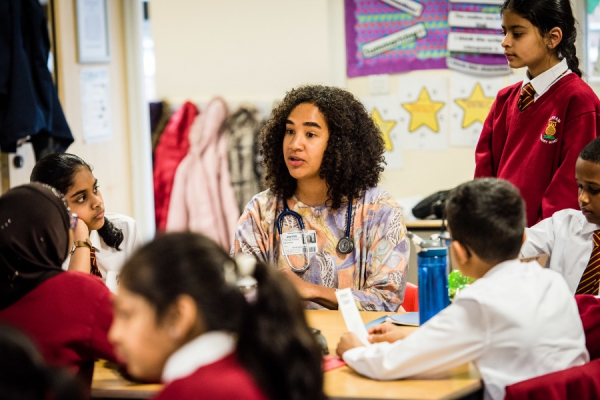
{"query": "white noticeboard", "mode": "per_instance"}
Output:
(95, 105)
(475, 20)
(475, 43)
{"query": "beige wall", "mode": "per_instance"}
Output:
(244, 50)
(111, 159)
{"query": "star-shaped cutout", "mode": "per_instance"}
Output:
(385, 127)
(424, 112)
(477, 107)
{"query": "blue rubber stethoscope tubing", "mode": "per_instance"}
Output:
(286, 211)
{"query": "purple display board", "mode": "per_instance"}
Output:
(368, 20)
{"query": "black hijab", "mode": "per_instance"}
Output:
(34, 239)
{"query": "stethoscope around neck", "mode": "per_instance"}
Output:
(345, 245)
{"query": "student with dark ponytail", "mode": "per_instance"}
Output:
(213, 327)
(536, 128)
(102, 241)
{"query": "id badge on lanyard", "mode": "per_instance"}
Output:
(300, 243)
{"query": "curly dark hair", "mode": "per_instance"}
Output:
(353, 159)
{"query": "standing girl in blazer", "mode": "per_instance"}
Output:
(536, 128)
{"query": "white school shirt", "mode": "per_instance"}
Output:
(109, 258)
(206, 349)
(567, 238)
(517, 322)
(546, 79)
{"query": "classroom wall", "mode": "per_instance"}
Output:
(110, 159)
(257, 50)
(244, 50)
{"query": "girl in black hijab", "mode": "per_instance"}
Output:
(67, 314)
(34, 239)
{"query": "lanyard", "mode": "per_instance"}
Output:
(345, 245)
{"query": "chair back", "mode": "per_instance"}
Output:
(581, 383)
(411, 298)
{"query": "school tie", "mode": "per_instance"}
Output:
(589, 280)
(526, 97)
(93, 265)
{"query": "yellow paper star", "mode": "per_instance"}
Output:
(476, 107)
(385, 127)
(423, 112)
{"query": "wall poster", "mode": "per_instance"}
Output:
(392, 36)
(472, 99)
(395, 36)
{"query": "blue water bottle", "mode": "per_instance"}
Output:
(432, 262)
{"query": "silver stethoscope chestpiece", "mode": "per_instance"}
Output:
(345, 245)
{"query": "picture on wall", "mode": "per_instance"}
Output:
(92, 31)
(472, 100)
(423, 113)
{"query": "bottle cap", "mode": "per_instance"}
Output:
(431, 243)
(434, 252)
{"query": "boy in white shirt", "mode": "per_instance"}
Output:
(568, 236)
(517, 321)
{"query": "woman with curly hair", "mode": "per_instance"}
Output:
(323, 221)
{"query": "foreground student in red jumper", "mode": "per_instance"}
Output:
(536, 128)
(213, 328)
(67, 314)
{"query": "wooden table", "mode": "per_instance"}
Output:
(424, 224)
(340, 383)
(344, 383)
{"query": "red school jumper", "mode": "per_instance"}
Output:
(224, 379)
(536, 149)
(68, 317)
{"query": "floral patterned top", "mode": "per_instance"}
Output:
(375, 270)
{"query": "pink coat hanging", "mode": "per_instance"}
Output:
(202, 199)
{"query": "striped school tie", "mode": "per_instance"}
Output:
(589, 280)
(526, 97)
(93, 265)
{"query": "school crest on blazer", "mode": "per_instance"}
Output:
(549, 135)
